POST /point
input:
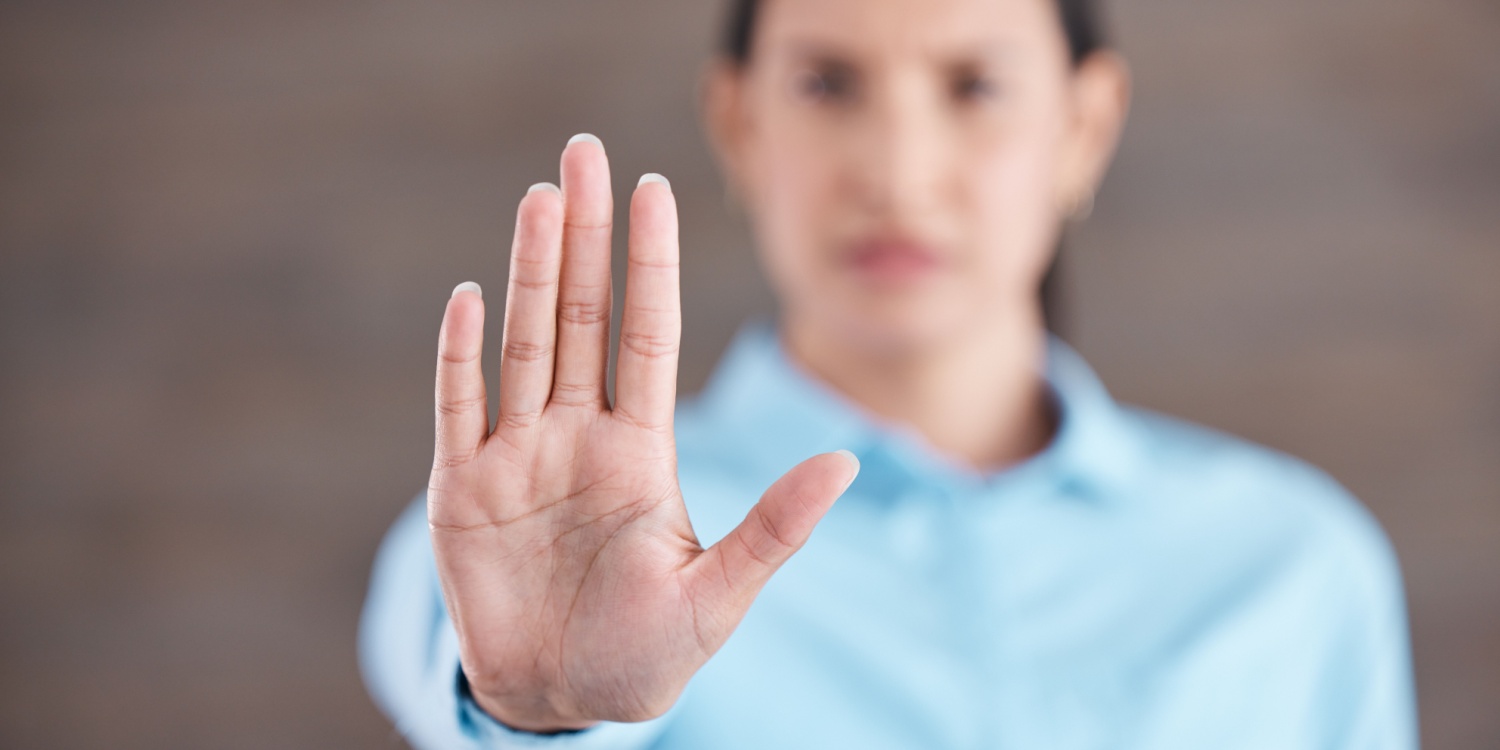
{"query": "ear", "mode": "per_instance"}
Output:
(721, 97)
(1100, 93)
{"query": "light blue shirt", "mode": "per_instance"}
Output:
(1141, 583)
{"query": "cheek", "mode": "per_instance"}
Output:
(793, 191)
(1012, 206)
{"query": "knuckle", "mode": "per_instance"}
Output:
(526, 351)
(772, 532)
(584, 312)
(523, 261)
(588, 224)
(450, 356)
(451, 410)
(446, 459)
(575, 394)
(459, 406)
(755, 555)
(649, 345)
(765, 546)
(649, 263)
(537, 284)
(520, 420)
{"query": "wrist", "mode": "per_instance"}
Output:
(533, 722)
(534, 725)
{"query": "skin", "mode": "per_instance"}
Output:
(956, 125)
(906, 165)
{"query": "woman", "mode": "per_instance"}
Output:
(1020, 563)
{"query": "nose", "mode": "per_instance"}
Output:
(902, 151)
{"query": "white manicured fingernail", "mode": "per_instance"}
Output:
(853, 461)
(586, 138)
(654, 177)
(468, 286)
(544, 186)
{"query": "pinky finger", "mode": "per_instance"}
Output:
(462, 414)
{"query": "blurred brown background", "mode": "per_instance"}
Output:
(228, 231)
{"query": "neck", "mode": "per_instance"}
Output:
(979, 398)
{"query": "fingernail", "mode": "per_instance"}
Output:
(586, 138)
(853, 461)
(468, 286)
(544, 186)
(654, 177)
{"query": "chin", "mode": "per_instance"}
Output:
(897, 325)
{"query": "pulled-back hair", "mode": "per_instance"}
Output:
(1080, 22)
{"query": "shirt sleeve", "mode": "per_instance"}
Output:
(408, 652)
(1380, 710)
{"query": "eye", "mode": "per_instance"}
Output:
(830, 83)
(972, 86)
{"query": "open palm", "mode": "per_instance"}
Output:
(572, 574)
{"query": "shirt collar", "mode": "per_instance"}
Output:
(782, 415)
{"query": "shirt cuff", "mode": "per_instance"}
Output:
(488, 732)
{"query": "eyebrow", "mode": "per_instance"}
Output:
(803, 49)
(1001, 52)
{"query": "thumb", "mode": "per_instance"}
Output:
(733, 571)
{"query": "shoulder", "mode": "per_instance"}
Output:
(1288, 576)
(1240, 492)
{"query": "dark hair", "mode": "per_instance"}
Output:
(1084, 30)
(1080, 21)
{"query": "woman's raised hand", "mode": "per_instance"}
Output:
(577, 587)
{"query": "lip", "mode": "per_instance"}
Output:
(893, 260)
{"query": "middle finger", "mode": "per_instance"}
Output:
(584, 299)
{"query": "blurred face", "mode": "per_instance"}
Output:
(905, 163)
